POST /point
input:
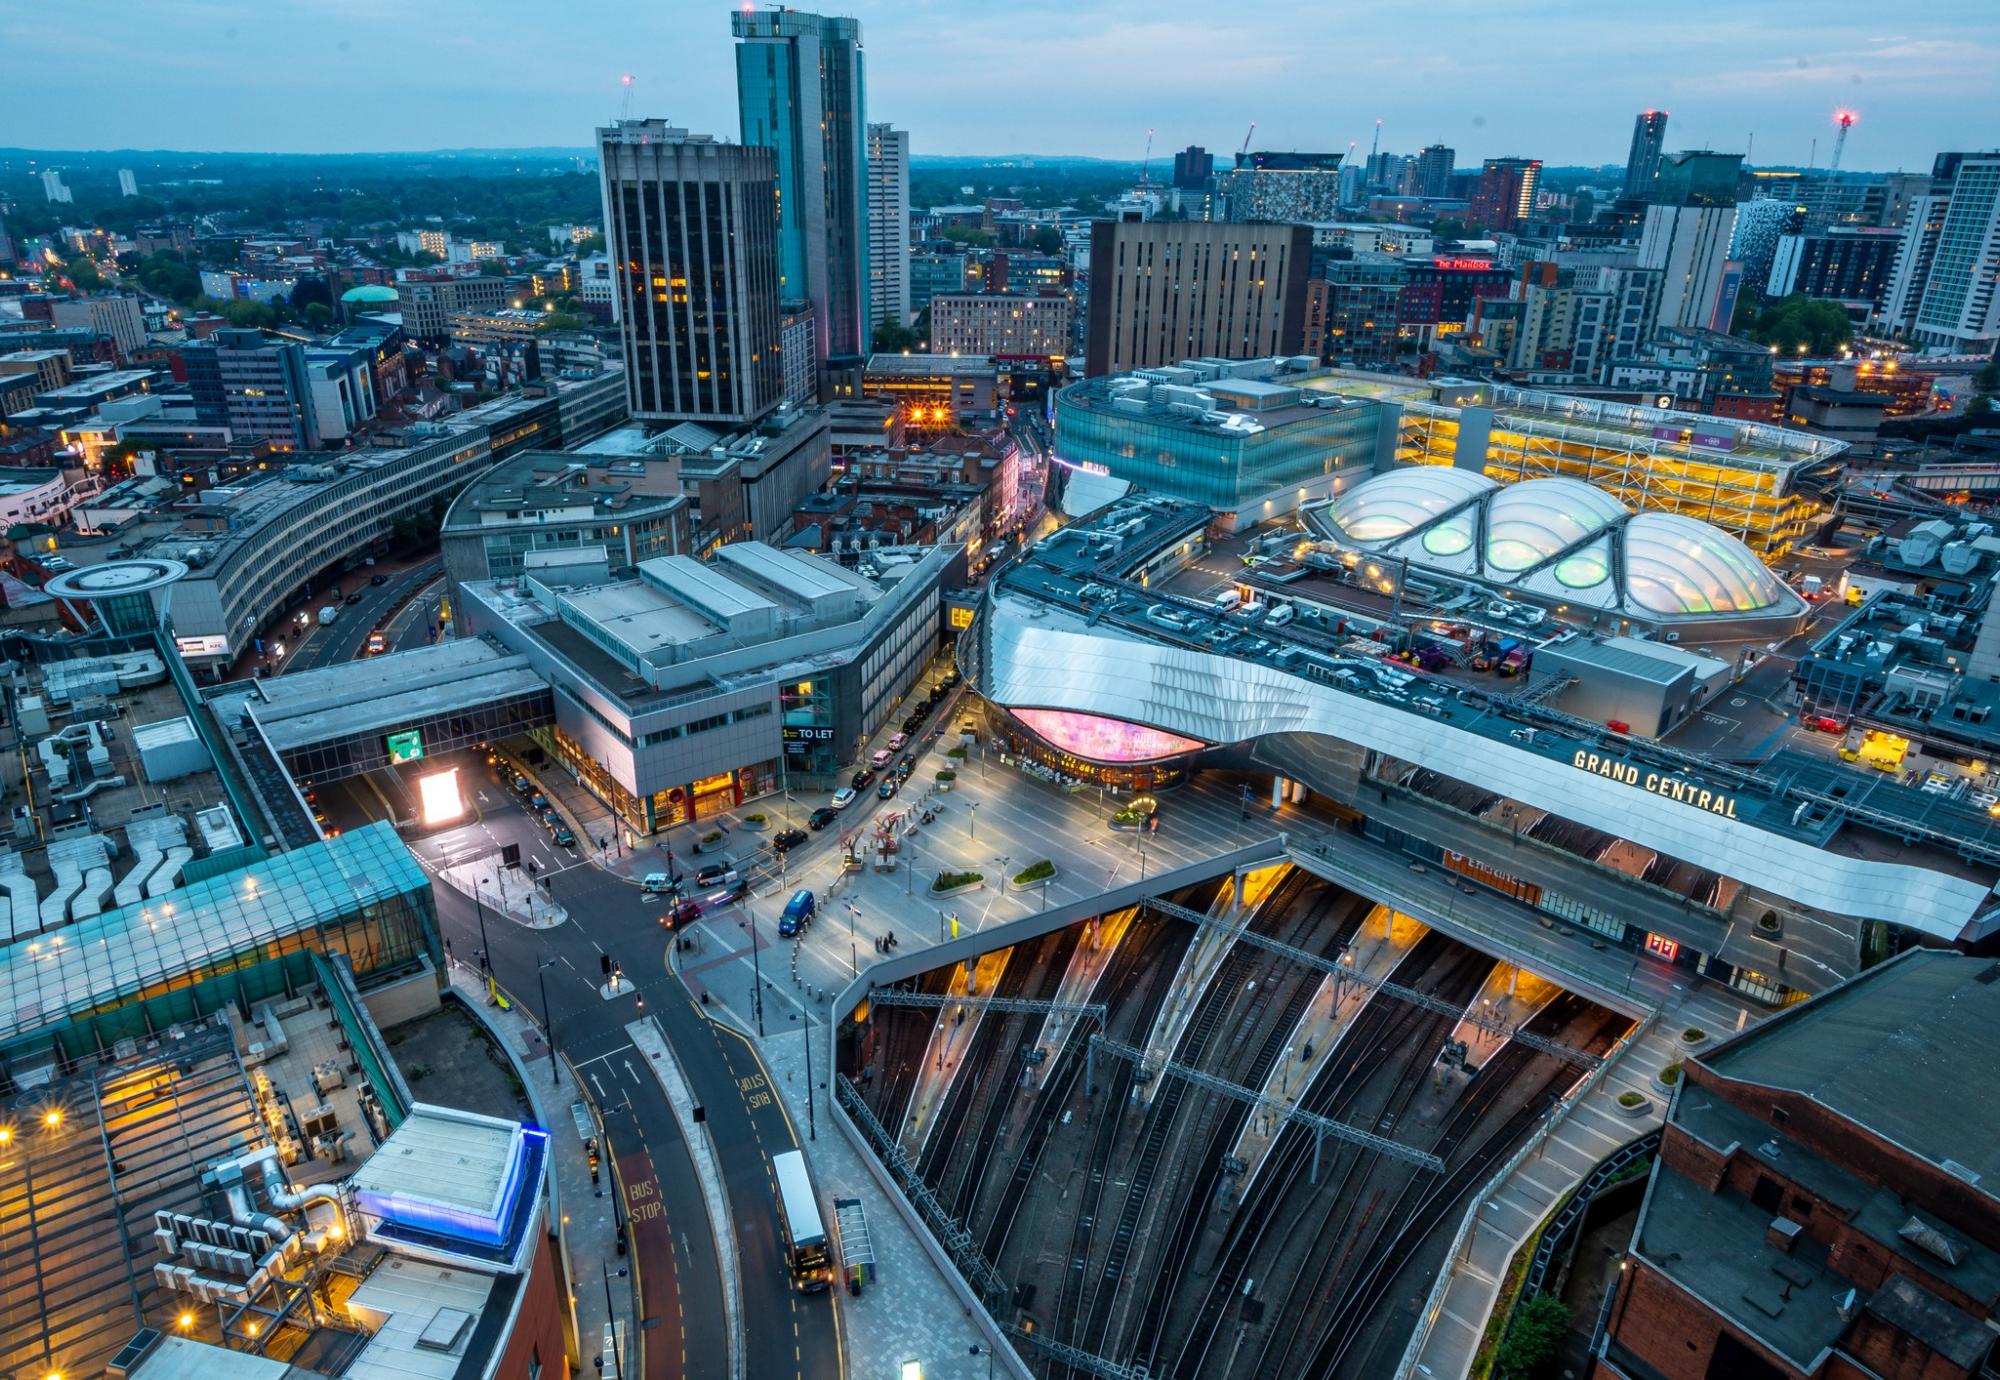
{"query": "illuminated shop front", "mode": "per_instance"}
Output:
(1090, 747)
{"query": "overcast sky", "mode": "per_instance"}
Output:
(1554, 79)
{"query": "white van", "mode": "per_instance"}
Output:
(1280, 615)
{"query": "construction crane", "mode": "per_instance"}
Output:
(1845, 119)
(1251, 134)
(625, 110)
(1375, 145)
(1146, 163)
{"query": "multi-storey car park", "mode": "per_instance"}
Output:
(1259, 438)
(1532, 748)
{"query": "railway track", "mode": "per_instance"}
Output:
(1367, 1048)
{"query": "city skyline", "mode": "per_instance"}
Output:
(1067, 82)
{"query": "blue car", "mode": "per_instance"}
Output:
(798, 913)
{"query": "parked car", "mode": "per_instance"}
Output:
(896, 743)
(715, 874)
(842, 798)
(798, 914)
(378, 579)
(821, 817)
(862, 779)
(881, 759)
(785, 840)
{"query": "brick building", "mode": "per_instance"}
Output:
(1825, 1199)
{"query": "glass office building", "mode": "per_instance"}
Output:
(1245, 447)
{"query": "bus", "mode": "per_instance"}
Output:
(805, 1236)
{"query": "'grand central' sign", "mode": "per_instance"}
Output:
(1715, 802)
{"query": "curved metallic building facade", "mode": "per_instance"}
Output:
(1032, 654)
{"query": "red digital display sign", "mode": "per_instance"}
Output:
(1466, 265)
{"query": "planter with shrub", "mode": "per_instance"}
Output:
(1034, 875)
(951, 883)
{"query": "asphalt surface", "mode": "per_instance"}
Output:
(344, 641)
(683, 1327)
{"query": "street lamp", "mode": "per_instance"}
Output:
(756, 965)
(977, 1350)
(548, 1022)
(971, 819)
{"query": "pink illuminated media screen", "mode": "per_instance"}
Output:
(1098, 739)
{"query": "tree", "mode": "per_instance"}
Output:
(970, 235)
(1450, 229)
(1799, 324)
(1987, 380)
(1048, 240)
(318, 315)
(82, 272)
(247, 313)
(1583, 210)
(892, 336)
(565, 321)
(307, 291)
(588, 245)
(1534, 1339)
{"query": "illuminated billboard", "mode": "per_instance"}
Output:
(407, 746)
(1098, 739)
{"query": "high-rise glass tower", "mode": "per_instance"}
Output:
(688, 223)
(800, 91)
(1642, 164)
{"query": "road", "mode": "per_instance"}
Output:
(323, 646)
(786, 1334)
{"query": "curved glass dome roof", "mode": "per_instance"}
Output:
(1554, 537)
(1678, 565)
(1392, 504)
(1530, 522)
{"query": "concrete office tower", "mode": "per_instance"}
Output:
(1505, 195)
(1642, 164)
(1165, 291)
(1959, 310)
(801, 94)
(1433, 170)
(888, 225)
(1192, 166)
(128, 185)
(1686, 237)
(53, 187)
(690, 226)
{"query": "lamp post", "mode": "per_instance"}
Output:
(485, 948)
(756, 968)
(978, 1350)
(971, 820)
(548, 1021)
(812, 1120)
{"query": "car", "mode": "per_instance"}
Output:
(378, 643)
(821, 817)
(656, 884)
(842, 798)
(522, 785)
(538, 801)
(563, 836)
(862, 779)
(378, 579)
(896, 743)
(785, 840)
(912, 724)
(716, 874)
(681, 914)
(798, 914)
(881, 759)
(355, 597)
(887, 790)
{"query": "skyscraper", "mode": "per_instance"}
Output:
(1959, 309)
(1505, 195)
(1922, 224)
(1686, 237)
(1434, 165)
(1192, 165)
(690, 225)
(1642, 164)
(888, 225)
(800, 91)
